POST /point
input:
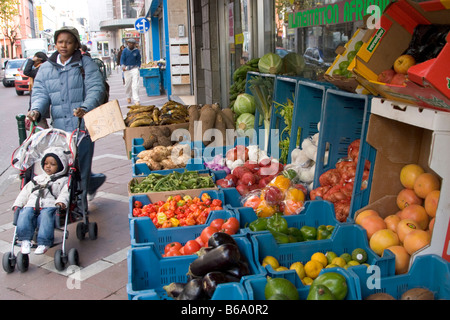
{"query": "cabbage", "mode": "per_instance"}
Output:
(245, 103)
(244, 122)
(270, 63)
(293, 64)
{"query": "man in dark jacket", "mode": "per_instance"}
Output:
(131, 62)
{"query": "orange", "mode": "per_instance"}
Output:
(392, 221)
(372, 224)
(416, 213)
(431, 225)
(416, 240)
(383, 239)
(409, 174)
(402, 259)
(407, 197)
(426, 183)
(431, 202)
(364, 214)
(406, 226)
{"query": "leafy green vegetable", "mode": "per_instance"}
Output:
(245, 103)
(244, 122)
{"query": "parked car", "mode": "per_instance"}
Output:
(314, 57)
(21, 81)
(10, 71)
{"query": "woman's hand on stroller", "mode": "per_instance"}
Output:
(61, 206)
(79, 112)
(33, 115)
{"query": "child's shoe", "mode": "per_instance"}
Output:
(41, 249)
(25, 248)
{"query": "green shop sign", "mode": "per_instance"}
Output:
(340, 12)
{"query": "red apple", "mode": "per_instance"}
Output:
(402, 64)
(386, 76)
(399, 79)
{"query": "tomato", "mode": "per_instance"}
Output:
(200, 242)
(137, 212)
(173, 253)
(172, 245)
(216, 203)
(217, 223)
(137, 204)
(207, 233)
(231, 225)
(191, 247)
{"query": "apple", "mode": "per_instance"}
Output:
(403, 63)
(399, 79)
(386, 76)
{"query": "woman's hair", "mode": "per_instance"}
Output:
(41, 56)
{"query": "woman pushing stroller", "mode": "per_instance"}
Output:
(39, 200)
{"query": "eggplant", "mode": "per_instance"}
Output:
(221, 258)
(174, 289)
(211, 280)
(219, 238)
(192, 290)
(203, 250)
(241, 269)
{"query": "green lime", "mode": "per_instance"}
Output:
(359, 255)
(346, 256)
(330, 256)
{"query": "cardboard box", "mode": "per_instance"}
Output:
(389, 42)
(104, 120)
(143, 132)
(403, 135)
(157, 196)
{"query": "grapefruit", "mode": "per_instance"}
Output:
(431, 202)
(364, 214)
(392, 221)
(417, 213)
(409, 174)
(402, 259)
(416, 240)
(372, 224)
(426, 183)
(406, 226)
(407, 197)
(383, 239)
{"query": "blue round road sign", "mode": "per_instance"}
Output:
(142, 25)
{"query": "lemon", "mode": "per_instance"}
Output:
(312, 268)
(307, 281)
(281, 268)
(330, 256)
(339, 261)
(352, 263)
(320, 257)
(299, 268)
(346, 256)
(272, 261)
(331, 265)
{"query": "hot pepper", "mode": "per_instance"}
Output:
(324, 232)
(309, 233)
(259, 224)
(277, 223)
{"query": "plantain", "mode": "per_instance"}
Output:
(141, 123)
(141, 109)
(156, 114)
(129, 119)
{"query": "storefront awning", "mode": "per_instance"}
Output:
(154, 5)
(114, 24)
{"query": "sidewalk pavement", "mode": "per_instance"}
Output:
(103, 273)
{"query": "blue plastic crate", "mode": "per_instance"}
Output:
(341, 123)
(149, 72)
(137, 142)
(143, 231)
(144, 199)
(255, 285)
(345, 239)
(427, 271)
(307, 111)
(142, 170)
(147, 270)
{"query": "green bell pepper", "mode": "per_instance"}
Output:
(277, 223)
(324, 232)
(296, 233)
(259, 224)
(280, 238)
(308, 233)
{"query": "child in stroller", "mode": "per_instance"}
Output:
(39, 200)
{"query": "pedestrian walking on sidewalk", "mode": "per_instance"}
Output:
(67, 86)
(131, 62)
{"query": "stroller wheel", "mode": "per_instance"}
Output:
(74, 259)
(23, 262)
(93, 230)
(60, 262)
(81, 230)
(9, 262)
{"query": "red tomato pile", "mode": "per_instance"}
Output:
(230, 226)
(178, 211)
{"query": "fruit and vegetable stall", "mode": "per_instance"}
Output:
(312, 190)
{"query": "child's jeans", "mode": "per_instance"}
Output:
(28, 221)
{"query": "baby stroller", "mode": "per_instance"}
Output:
(26, 159)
